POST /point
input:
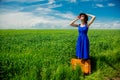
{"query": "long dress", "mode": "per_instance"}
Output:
(82, 45)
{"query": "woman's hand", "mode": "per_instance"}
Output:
(78, 17)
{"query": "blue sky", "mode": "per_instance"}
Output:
(42, 14)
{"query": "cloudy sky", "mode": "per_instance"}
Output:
(44, 14)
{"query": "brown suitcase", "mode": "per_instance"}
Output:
(85, 65)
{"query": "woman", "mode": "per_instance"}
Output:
(82, 45)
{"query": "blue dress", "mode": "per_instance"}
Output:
(82, 45)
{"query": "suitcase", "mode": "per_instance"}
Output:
(85, 65)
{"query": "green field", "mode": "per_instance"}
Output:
(46, 54)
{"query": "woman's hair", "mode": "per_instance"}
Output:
(85, 17)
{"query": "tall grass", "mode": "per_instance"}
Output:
(46, 54)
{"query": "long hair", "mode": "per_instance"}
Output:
(85, 17)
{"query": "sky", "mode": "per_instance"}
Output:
(57, 14)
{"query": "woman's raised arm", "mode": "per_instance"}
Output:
(92, 19)
(72, 23)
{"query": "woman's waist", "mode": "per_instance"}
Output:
(82, 34)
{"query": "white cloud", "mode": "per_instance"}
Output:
(66, 15)
(43, 10)
(106, 25)
(51, 2)
(111, 4)
(54, 5)
(99, 5)
(54, 13)
(108, 5)
(28, 20)
(45, 18)
(17, 20)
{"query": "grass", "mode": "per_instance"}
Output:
(46, 54)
